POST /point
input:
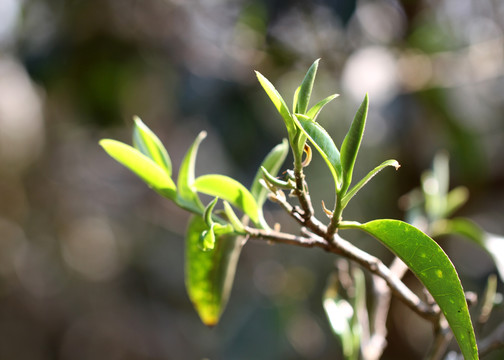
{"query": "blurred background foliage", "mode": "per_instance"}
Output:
(91, 260)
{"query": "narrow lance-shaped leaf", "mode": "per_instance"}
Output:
(306, 88)
(187, 196)
(323, 143)
(150, 172)
(351, 144)
(209, 275)
(315, 109)
(295, 99)
(434, 269)
(149, 144)
(279, 103)
(366, 179)
(272, 163)
(228, 189)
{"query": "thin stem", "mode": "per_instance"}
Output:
(374, 265)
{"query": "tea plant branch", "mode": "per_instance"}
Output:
(344, 248)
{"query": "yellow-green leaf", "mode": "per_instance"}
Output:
(209, 275)
(150, 172)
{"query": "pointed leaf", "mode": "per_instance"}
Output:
(187, 196)
(295, 99)
(351, 144)
(209, 275)
(228, 189)
(272, 163)
(315, 110)
(306, 88)
(323, 143)
(279, 103)
(150, 172)
(149, 144)
(233, 218)
(434, 269)
(366, 179)
(207, 214)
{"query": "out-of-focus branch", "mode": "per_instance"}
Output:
(493, 341)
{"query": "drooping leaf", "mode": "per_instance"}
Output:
(323, 143)
(492, 244)
(350, 194)
(272, 163)
(434, 269)
(351, 143)
(149, 144)
(187, 196)
(150, 172)
(233, 219)
(279, 103)
(305, 89)
(231, 190)
(209, 275)
(315, 109)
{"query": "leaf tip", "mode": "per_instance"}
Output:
(396, 165)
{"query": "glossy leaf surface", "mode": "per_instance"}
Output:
(149, 144)
(305, 89)
(209, 275)
(323, 143)
(351, 143)
(279, 103)
(434, 269)
(187, 195)
(150, 172)
(228, 189)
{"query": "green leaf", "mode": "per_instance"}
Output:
(434, 269)
(272, 163)
(315, 109)
(279, 103)
(207, 214)
(351, 143)
(492, 244)
(149, 144)
(231, 190)
(295, 99)
(366, 179)
(209, 275)
(150, 172)
(455, 199)
(233, 218)
(207, 239)
(323, 143)
(187, 196)
(306, 88)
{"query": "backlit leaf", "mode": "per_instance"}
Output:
(323, 143)
(209, 275)
(315, 109)
(149, 144)
(279, 103)
(228, 189)
(150, 172)
(187, 196)
(351, 143)
(305, 89)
